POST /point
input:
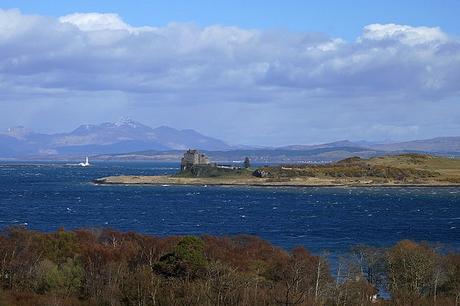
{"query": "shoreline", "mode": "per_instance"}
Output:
(168, 180)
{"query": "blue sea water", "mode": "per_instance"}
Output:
(48, 196)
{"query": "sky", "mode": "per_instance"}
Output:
(247, 72)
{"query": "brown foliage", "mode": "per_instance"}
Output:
(107, 267)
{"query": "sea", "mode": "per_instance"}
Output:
(47, 196)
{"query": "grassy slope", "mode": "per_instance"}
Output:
(448, 168)
(405, 168)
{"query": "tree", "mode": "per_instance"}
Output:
(247, 163)
(299, 279)
(411, 267)
(225, 284)
(371, 263)
(186, 260)
(65, 279)
(452, 283)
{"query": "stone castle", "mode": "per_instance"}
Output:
(194, 157)
(191, 158)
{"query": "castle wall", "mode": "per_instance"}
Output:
(193, 157)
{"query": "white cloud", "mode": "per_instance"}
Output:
(180, 64)
(118, 56)
(100, 22)
(404, 33)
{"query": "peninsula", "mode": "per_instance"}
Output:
(393, 170)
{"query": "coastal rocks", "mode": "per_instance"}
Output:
(126, 179)
(100, 181)
(261, 173)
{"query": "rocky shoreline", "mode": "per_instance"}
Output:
(310, 182)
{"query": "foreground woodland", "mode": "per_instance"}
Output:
(106, 267)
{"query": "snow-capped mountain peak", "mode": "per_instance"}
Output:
(125, 135)
(128, 122)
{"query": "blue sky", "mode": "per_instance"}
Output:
(249, 72)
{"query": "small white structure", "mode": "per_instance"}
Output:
(228, 167)
(86, 163)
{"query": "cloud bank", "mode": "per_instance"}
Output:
(380, 85)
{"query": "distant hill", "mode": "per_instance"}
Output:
(321, 153)
(128, 139)
(433, 145)
(106, 138)
(336, 144)
(260, 156)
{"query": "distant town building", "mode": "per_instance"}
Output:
(191, 158)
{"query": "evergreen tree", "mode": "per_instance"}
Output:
(247, 163)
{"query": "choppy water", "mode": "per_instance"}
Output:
(48, 196)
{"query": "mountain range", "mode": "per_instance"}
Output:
(106, 138)
(438, 145)
(128, 139)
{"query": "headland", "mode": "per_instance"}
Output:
(385, 171)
